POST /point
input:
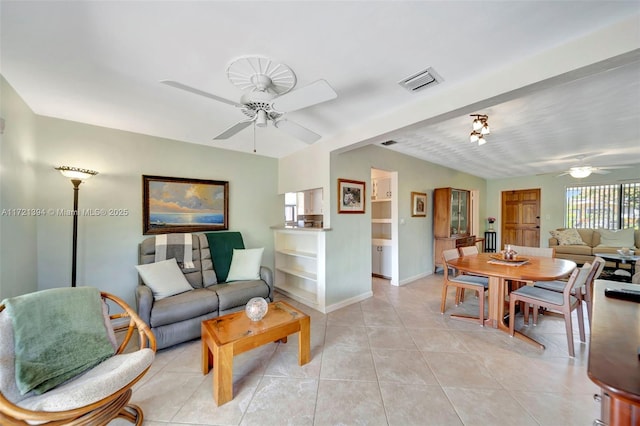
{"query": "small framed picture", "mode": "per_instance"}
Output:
(418, 204)
(351, 196)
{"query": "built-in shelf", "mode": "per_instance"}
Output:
(300, 266)
(381, 227)
(306, 254)
(386, 220)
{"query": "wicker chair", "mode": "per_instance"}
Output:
(93, 397)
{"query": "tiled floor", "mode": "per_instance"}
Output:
(390, 360)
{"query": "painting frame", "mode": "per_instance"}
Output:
(351, 196)
(418, 204)
(174, 204)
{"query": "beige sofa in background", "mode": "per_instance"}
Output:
(592, 245)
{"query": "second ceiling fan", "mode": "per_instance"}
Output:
(268, 96)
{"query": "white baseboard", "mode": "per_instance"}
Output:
(349, 301)
(415, 278)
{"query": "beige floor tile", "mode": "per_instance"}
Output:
(348, 363)
(349, 403)
(282, 401)
(429, 340)
(346, 336)
(551, 409)
(488, 407)
(390, 338)
(418, 405)
(201, 408)
(402, 366)
(457, 370)
(284, 363)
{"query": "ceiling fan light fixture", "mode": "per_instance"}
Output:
(481, 140)
(261, 118)
(477, 124)
(485, 130)
(580, 172)
(474, 137)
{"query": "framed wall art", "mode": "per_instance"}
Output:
(351, 196)
(418, 204)
(172, 204)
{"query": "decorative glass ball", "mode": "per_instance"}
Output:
(256, 308)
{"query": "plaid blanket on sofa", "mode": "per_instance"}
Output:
(176, 246)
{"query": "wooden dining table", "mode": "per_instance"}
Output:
(534, 269)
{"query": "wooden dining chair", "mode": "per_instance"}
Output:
(460, 281)
(465, 251)
(525, 251)
(587, 291)
(564, 302)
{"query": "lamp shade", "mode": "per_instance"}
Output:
(76, 173)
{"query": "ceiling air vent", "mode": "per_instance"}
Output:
(421, 80)
(387, 143)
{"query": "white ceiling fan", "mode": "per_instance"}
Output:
(582, 170)
(268, 96)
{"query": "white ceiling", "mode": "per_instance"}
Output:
(100, 62)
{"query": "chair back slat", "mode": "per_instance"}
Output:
(468, 250)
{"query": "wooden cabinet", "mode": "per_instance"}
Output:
(451, 221)
(613, 359)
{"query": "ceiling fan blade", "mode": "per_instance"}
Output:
(314, 93)
(181, 86)
(600, 171)
(296, 130)
(233, 129)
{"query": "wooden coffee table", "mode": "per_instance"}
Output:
(235, 333)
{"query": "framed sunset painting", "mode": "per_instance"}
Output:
(172, 204)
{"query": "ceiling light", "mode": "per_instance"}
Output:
(580, 172)
(480, 128)
(261, 119)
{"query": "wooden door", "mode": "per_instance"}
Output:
(521, 217)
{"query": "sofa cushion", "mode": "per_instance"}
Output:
(575, 249)
(617, 238)
(164, 278)
(183, 306)
(221, 245)
(245, 264)
(567, 237)
(147, 252)
(239, 293)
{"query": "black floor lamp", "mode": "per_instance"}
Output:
(77, 176)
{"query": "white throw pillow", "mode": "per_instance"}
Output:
(617, 238)
(164, 278)
(245, 264)
(567, 237)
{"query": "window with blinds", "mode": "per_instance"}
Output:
(614, 206)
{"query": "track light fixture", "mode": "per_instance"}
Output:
(480, 129)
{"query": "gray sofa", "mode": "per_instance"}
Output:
(177, 318)
(586, 253)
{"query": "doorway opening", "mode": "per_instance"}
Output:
(384, 225)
